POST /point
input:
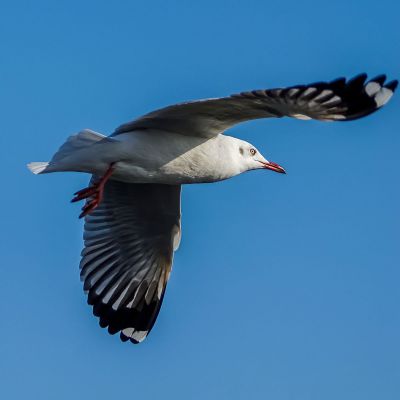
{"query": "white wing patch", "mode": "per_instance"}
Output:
(300, 116)
(372, 88)
(383, 96)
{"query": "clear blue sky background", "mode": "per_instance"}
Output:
(285, 287)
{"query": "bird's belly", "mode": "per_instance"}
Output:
(167, 174)
(161, 157)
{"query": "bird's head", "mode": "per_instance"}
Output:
(250, 158)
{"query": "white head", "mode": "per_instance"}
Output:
(247, 157)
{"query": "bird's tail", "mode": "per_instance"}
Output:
(37, 167)
(74, 143)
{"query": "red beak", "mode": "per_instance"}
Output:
(273, 167)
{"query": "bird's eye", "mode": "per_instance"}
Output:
(253, 151)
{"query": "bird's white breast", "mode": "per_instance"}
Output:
(163, 157)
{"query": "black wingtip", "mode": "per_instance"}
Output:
(359, 96)
(379, 79)
(123, 337)
(392, 85)
(358, 80)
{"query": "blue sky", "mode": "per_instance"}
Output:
(285, 287)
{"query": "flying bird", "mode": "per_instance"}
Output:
(132, 204)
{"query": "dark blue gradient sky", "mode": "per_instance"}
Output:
(285, 287)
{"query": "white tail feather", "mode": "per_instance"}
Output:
(37, 167)
(82, 139)
(74, 143)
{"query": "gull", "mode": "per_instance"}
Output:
(132, 205)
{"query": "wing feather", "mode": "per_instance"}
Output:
(129, 244)
(338, 100)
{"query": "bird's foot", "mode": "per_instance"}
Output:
(93, 194)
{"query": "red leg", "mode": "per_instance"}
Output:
(93, 194)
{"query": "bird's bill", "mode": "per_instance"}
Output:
(273, 166)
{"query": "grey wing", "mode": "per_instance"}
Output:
(129, 243)
(326, 101)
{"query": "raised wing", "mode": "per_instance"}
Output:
(129, 243)
(338, 100)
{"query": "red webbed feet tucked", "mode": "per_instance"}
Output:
(93, 194)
